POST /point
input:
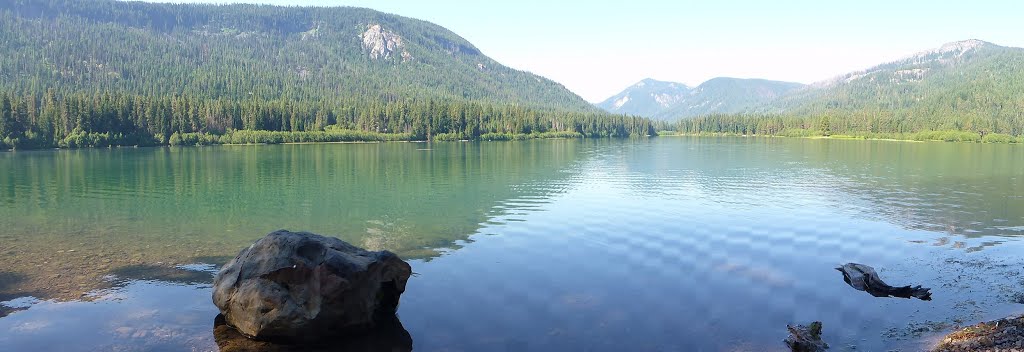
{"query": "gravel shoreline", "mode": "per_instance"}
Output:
(1004, 335)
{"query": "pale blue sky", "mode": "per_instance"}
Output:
(597, 48)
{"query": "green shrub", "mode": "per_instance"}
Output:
(442, 137)
(525, 136)
(947, 136)
(999, 138)
(497, 137)
(278, 137)
(558, 134)
(799, 132)
(196, 139)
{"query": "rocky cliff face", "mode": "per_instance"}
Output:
(383, 44)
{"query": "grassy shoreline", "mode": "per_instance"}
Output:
(923, 136)
(260, 137)
(341, 136)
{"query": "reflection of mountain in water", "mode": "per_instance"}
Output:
(957, 188)
(964, 189)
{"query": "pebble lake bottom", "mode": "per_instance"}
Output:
(662, 244)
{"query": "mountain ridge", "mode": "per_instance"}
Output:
(647, 97)
(671, 100)
(97, 73)
(296, 51)
(969, 90)
(925, 82)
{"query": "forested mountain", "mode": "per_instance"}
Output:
(725, 95)
(967, 90)
(967, 85)
(671, 101)
(133, 72)
(244, 51)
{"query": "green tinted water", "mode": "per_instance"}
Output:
(647, 244)
(185, 205)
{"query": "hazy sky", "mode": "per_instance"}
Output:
(597, 48)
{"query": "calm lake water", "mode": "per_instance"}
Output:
(667, 244)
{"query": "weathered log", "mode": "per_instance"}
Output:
(864, 278)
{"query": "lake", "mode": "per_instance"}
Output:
(662, 244)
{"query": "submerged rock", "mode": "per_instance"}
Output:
(806, 338)
(864, 278)
(302, 287)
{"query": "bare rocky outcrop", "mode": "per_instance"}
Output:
(383, 44)
(302, 287)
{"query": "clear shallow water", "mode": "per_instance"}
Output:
(702, 244)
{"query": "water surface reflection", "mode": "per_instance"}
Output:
(669, 244)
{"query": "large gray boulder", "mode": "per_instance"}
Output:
(302, 287)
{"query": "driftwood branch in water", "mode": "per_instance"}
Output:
(864, 278)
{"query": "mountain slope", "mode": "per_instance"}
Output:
(956, 86)
(669, 101)
(89, 73)
(239, 51)
(648, 97)
(962, 91)
(725, 95)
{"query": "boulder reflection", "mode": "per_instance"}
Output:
(388, 336)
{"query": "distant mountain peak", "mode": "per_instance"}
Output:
(964, 45)
(653, 82)
(646, 97)
(915, 67)
(671, 100)
(957, 48)
(927, 83)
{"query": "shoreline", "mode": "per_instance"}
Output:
(523, 137)
(1005, 334)
(840, 138)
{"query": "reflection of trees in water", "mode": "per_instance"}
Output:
(134, 209)
(229, 196)
(960, 189)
